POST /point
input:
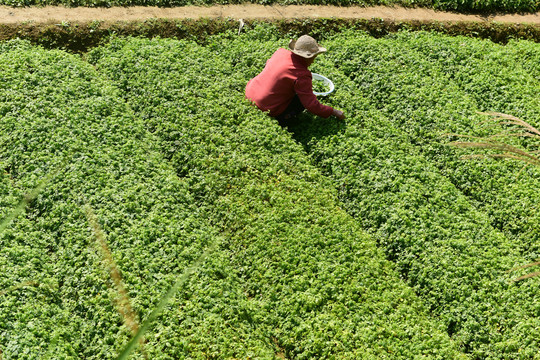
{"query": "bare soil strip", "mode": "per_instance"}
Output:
(9, 15)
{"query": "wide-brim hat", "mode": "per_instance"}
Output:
(306, 47)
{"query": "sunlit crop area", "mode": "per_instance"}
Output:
(368, 238)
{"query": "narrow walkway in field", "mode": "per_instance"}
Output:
(246, 11)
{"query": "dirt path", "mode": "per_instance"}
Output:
(59, 14)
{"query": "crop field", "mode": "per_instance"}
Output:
(140, 167)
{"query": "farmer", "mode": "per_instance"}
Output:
(284, 87)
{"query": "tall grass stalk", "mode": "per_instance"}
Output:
(123, 302)
(526, 276)
(164, 300)
(517, 128)
(27, 199)
(21, 206)
(19, 286)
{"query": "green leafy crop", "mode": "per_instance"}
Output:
(322, 287)
(454, 228)
(58, 299)
(143, 167)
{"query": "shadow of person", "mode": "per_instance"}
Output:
(307, 127)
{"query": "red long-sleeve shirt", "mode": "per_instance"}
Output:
(284, 76)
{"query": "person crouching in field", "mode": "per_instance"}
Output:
(284, 87)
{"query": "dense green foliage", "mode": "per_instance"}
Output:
(57, 298)
(433, 85)
(454, 228)
(451, 5)
(157, 137)
(303, 260)
(168, 173)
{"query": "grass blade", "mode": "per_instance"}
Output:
(28, 198)
(507, 152)
(163, 302)
(19, 286)
(123, 303)
(527, 276)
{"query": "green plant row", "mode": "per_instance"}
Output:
(323, 286)
(388, 162)
(429, 85)
(81, 37)
(289, 277)
(500, 79)
(445, 248)
(59, 294)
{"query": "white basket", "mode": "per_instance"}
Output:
(326, 81)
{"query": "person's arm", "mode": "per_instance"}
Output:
(339, 114)
(304, 89)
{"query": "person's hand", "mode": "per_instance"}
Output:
(339, 114)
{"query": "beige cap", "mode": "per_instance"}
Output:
(306, 47)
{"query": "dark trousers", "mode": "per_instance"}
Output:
(290, 113)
